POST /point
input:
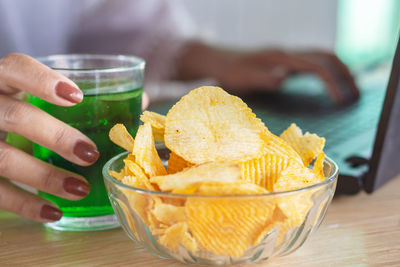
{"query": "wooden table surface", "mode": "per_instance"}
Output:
(360, 230)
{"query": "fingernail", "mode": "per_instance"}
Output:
(76, 187)
(69, 92)
(86, 152)
(50, 213)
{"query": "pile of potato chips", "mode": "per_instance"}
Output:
(227, 162)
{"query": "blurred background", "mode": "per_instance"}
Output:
(362, 32)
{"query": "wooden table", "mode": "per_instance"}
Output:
(358, 230)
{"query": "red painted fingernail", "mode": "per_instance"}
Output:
(86, 152)
(69, 92)
(50, 213)
(76, 187)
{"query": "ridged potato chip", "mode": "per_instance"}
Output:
(295, 208)
(207, 172)
(294, 177)
(157, 122)
(285, 227)
(278, 146)
(227, 226)
(274, 222)
(177, 163)
(139, 203)
(237, 188)
(318, 168)
(178, 234)
(167, 213)
(139, 174)
(208, 124)
(121, 137)
(145, 152)
(128, 218)
(308, 145)
(117, 175)
(155, 226)
(264, 171)
(132, 181)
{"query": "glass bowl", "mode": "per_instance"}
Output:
(219, 230)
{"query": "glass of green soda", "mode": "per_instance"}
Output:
(112, 86)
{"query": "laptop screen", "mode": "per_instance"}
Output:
(385, 161)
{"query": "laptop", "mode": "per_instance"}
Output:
(362, 137)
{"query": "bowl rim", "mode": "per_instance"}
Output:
(112, 180)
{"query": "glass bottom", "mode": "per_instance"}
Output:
(85, 224)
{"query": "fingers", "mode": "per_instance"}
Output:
(333, 84)
(27, 120)
(344, 70)
(21, 72)
(32, 207)
(336, 76)
(21, 167)
(145, 100)
(317, 66)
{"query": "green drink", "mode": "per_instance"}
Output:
(107, 101)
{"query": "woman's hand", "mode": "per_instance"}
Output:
(267, 70)
(21, 73)
(18, 74)
(240, 71)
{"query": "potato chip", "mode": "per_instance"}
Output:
(207, 172)
(176, 163)
(125, 170)
(167, 213)
(131, 157)
(277, 218)
(145, 152)
(277, 146)
(189, 190)
(318, 168)
(227, 226)
(128, 218)
(138, 202)
(131, 181)
(308, 145)
(139, 174)
(157, 122)
(237, 188)
(265, 170)
(294, 177)
(208, 124)
(222, 188)
(178, 234)
(117, 175)
(121, 137)
(155, 226)
(295, 207)
(283, 229)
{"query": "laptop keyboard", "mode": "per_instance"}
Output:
(335, 125)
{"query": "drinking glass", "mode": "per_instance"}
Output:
(112, 86)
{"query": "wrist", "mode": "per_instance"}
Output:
(199, 60)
